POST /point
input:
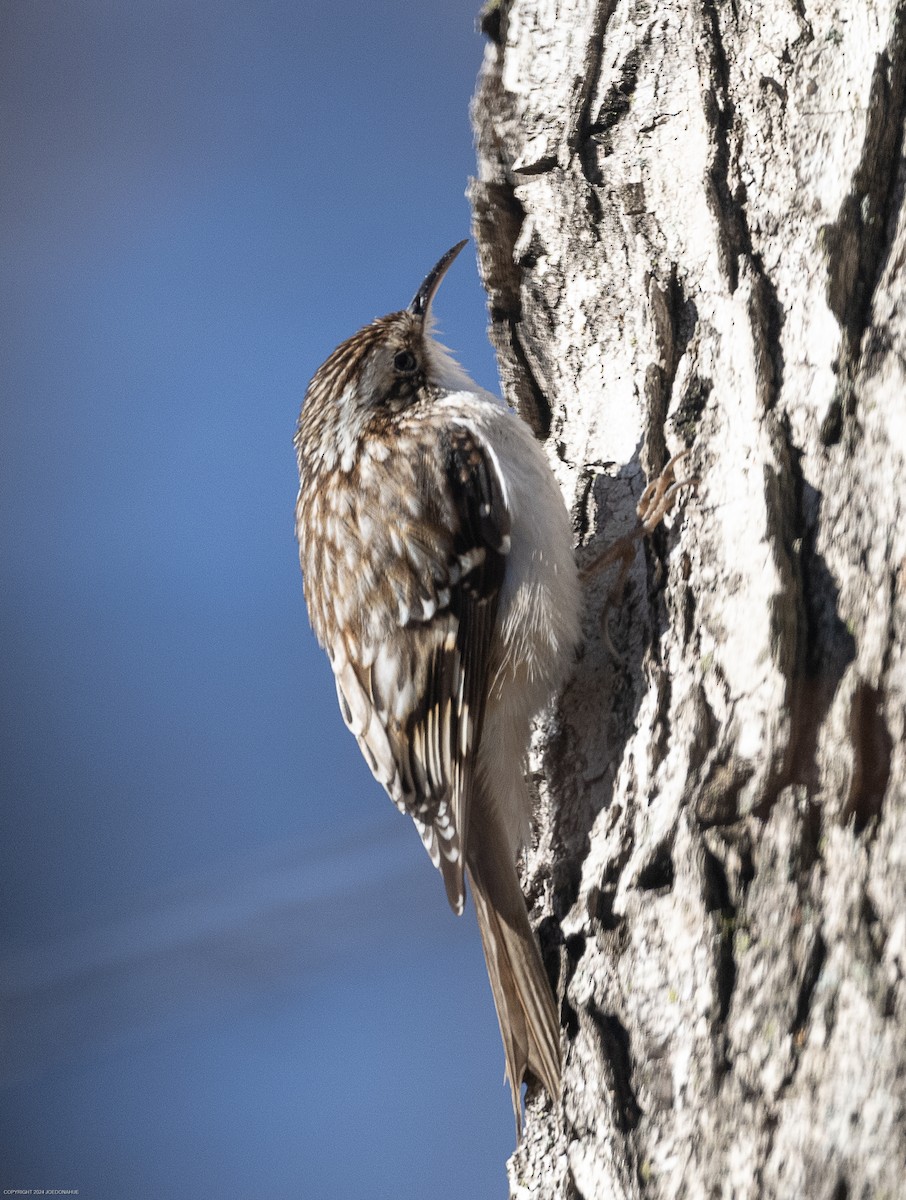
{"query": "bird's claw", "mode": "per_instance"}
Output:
(659, 496)
(655, 502)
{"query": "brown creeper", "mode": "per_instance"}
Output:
(440, 579)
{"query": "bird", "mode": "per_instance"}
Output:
(440, 578)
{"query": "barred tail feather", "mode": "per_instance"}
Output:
(522, 992)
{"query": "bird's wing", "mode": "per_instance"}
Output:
(415, 702)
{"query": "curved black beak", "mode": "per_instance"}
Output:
(421, 302)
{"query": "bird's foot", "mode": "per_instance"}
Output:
(654, 504)
(659, 496)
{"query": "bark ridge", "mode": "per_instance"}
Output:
(692, 230)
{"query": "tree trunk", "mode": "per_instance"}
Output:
(691, 224)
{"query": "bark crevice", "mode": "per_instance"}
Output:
(858, 241)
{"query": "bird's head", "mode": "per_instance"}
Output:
(379, 372)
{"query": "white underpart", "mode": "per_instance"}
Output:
(539, 612)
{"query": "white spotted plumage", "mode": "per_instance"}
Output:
(439, 575)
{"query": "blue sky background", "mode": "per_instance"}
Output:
(228, 967)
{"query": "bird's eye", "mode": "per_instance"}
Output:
(405, 362)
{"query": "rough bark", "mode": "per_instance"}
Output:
(691, 224)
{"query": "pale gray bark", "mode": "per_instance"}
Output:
(691, 223)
